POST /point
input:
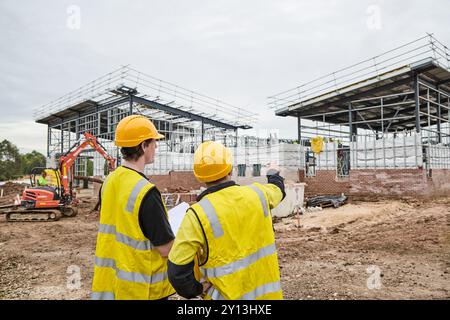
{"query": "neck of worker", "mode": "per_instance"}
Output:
(137, 165)
(215, 183)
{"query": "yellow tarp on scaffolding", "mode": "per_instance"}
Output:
(317, 144)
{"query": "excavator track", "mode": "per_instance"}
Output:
(69, 211)
(32, 215)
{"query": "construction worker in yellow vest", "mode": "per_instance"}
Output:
(134, 236)
(230, 233)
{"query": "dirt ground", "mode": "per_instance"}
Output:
(367, 250)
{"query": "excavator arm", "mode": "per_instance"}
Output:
(67, 161)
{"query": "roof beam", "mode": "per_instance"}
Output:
(443, 82)
(184, 114)
(344, 100)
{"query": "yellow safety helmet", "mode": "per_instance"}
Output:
(133, 130)
(212, 161)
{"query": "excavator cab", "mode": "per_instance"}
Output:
(53, 181)
(45, 200)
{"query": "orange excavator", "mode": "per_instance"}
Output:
(49, 203)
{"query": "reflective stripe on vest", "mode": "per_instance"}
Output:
(252, 295)
(134, 194)
(262, 290)
(214, 294)
(120, 237)
(103, 295)
(239, 264)
(261, 198)
(130, 276)
(212, 217)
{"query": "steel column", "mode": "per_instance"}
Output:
(439, 116)
(299, 129)
(417, 102)
(350, 116)
(131, 104)
(203, 131)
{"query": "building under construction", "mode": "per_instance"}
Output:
(186, 118)
(383, 124)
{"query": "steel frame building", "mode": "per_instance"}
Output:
(185, 117)
(390, 111)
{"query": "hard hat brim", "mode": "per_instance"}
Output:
(217, 176)
(136, 142)
(160, 136)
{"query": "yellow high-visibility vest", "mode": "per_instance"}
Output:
(242, 258)
(42, 181)
(127, 266)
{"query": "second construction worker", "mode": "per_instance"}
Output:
(230, 229)
(134, 236)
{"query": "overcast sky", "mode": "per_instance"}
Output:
(238, 51)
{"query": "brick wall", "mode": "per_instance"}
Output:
(161, 181)
(360, 183)
(439, 184)
(388, 182)
(176, 179)
(379, 183)
(325, 182)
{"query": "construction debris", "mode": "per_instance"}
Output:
(89, 179)
(177, 190)
(326, 201)
(10, 191)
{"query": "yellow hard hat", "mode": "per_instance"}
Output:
(212, 161)
(134, 129)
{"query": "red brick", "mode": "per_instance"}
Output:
(380, 182)
(176, 179)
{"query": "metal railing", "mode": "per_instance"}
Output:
(153, 89)
(427, 47)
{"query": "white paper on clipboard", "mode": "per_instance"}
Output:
(176, 215)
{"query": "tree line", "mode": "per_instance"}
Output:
(13, 164)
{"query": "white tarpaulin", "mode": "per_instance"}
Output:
(403, 151)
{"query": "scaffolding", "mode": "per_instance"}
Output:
(389, 111)
(184, 117)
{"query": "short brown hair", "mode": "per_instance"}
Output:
(134, 153)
